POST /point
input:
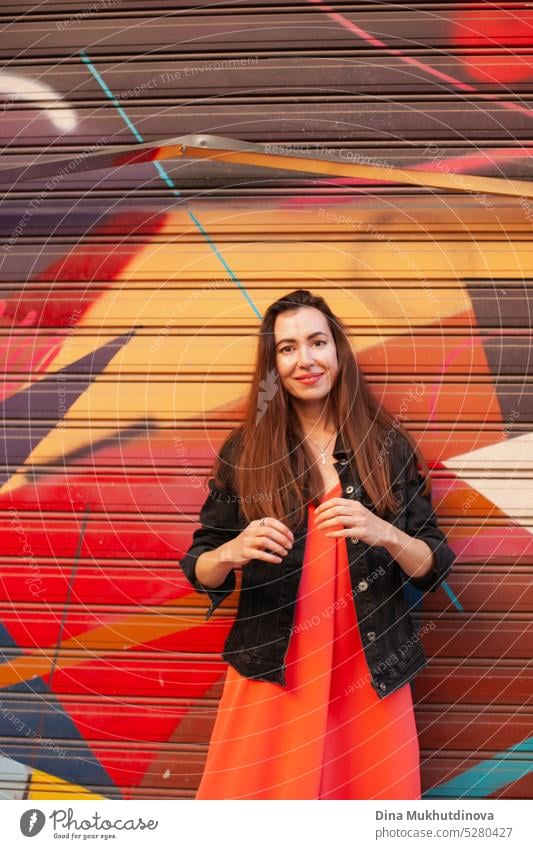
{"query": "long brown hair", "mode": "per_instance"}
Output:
(266, 461)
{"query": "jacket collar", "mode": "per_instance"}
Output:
(340, 449)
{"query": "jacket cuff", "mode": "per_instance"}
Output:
(216, 594)
(443, 560)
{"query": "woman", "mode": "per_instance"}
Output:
(317, 499)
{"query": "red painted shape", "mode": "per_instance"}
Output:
(504, 32)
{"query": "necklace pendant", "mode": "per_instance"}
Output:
(323, 452)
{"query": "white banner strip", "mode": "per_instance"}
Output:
(266, 824)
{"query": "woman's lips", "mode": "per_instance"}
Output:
(311, 380)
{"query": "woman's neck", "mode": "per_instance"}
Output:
(318, 430)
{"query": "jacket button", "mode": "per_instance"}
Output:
(371, 635)
(362, 586)
(382, 686)
(349, 490)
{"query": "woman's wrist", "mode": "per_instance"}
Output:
(213, 567)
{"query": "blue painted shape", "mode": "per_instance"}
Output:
(37, 727)
(7, 641)
(414, 597)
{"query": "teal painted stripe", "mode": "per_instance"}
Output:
(107, 91)
(452, 596)
(488, 777)
(224, 263)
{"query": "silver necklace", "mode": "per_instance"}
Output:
(322, 450)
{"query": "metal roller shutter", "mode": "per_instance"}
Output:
(130, 299)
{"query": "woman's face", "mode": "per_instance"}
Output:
(305, 346)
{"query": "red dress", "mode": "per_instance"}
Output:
(327, 735)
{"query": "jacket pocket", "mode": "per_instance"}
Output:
(397, 517)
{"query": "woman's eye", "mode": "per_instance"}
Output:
(317, 342)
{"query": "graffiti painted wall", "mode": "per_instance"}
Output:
(130, 299)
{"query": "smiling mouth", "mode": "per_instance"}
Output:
(311, 378)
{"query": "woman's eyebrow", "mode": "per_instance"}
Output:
(311, 335)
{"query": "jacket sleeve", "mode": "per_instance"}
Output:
(421, 522)
(218, 524)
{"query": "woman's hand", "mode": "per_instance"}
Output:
(253, 542)
(357, 520)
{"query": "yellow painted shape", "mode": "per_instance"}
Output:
(46, 786)
(228, 307)
(310, 262)
(114, 404)
(191, 287)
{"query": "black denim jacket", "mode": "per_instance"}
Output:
(258, 640)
